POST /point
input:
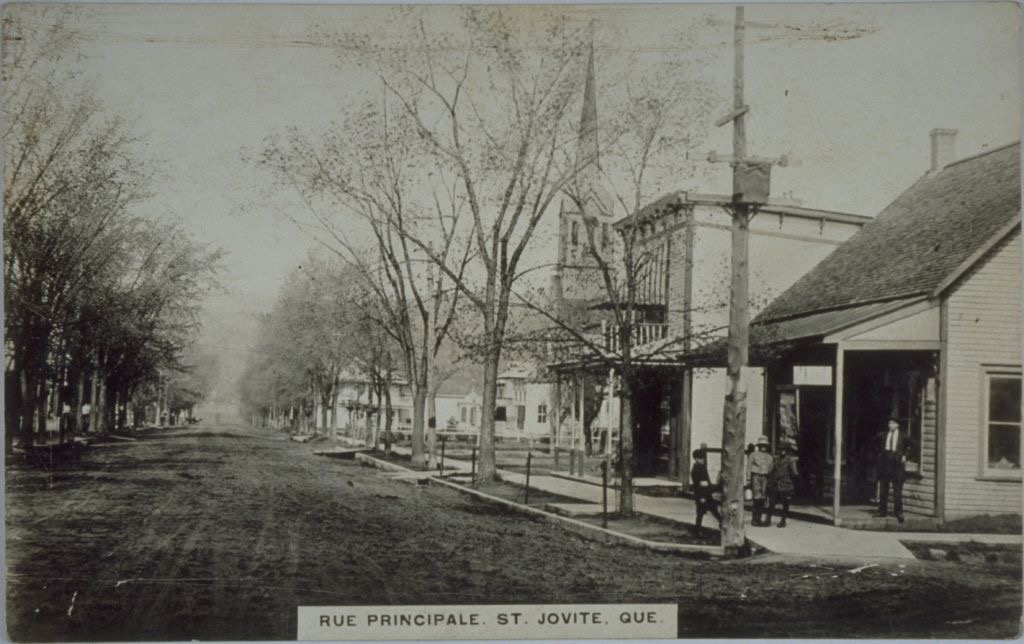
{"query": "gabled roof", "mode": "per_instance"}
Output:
(917, 242)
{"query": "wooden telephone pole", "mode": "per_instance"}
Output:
(750, 189)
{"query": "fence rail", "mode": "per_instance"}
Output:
(642, 333)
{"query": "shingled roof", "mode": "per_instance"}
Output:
(919, 240)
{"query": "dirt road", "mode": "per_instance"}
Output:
(220, 533)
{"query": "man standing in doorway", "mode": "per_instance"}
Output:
(891, 469)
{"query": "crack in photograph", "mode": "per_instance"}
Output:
(592, 321)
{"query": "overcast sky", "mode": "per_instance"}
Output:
(206, 85)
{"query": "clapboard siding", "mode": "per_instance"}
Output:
(983, 321)
(919, 493)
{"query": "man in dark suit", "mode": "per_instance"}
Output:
(895, 446)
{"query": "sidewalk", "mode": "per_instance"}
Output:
(800, 537)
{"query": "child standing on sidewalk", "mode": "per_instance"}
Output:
(757, 478)
(703, 491)
(782, 482)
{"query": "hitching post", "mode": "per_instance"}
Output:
(529, 463)
(604, 493)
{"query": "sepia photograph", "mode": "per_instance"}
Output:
(512, 322)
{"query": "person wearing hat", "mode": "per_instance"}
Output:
(703, 490)
(757, 478)
(782, 482)
(894, 448)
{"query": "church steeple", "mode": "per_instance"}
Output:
(587, 151)
(577, 274)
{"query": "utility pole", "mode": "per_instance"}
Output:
(430, 379)
(750, 189)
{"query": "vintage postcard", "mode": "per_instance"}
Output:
(536, 322)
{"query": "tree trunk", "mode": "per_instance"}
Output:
(26, 384)
(387, 416)
(122, 410)
(324, 423)
(40, 408)
(79, 401)
(626, 456)
(12, 404)
(334, 413)
(487, 467)
(99, 413)
(419, 403)
(94, 397)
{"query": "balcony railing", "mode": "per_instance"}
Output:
(642, 334)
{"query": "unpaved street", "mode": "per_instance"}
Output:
(220, 533)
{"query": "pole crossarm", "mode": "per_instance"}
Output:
(715, 157)
(732, 116)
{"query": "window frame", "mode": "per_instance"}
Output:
(988, 372)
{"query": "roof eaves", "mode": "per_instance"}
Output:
(980, 154)
(976, 256)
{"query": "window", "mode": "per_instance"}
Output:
(542, 414)
(605, 238)
(463, 414)
(1002, 424)
(500, 413)
(501, 390)
(520, 416)
(472, 416)
(575, 233)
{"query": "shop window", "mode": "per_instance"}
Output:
(542, 414)
(1002, 424)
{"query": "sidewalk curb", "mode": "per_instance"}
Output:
(580, 527)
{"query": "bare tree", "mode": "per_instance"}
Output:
(494, 113)
(657, 121)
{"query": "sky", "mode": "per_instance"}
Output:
(848, 91)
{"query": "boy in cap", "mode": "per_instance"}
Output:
(760, 467)
(782, 482)
(703, 491)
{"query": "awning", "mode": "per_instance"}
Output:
(768, 339)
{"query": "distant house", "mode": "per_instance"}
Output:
(521, 408)
(918, 316)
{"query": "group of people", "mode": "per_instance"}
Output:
(771, 480)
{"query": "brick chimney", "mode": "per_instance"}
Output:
(943, 148)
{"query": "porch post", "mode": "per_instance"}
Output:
(685, 430)
(582, 446)
(573, 425)
(609, 396)
(556, 409)
(837, 458)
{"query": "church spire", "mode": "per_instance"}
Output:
(586, 144)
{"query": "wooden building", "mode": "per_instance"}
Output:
(918, 316)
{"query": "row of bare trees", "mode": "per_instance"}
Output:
(453, 171)
(324, 332)
(101, 303)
